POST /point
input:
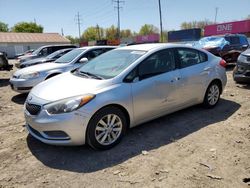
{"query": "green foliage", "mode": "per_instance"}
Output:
(126, 33)
(148, 29)
(195, 24)
(111, 33)
(93, 33)
(27, 27)
(3, 27)
(73, 40)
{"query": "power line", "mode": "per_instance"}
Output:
(118, 7)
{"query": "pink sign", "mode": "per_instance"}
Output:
(229, 27)
(148, 38)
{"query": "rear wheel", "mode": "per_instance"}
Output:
(106, 128)
(212, 95)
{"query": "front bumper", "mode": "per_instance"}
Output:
(61, 129)
(24, 85)
(241, 72)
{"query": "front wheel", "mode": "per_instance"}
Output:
(106, 128)
(212, 95)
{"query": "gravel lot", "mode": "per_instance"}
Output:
(194, 147)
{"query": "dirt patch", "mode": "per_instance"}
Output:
(194, 147)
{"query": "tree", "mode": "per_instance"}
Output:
(27, 27)
(248, 17)
(3, 27)
(148, 29)
(126, 33)
(111, 33)
(195, 24)
(93, 33)
(73, 40)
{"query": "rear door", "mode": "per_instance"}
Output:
(194, 72)
(154, 88)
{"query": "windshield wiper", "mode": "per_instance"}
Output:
(91, 75)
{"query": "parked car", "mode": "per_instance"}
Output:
(227, 46)
(241, 73)
(50, 58)
(4, 64)
(24, 79)
(125, 87)
(28, 52)
(44, 51)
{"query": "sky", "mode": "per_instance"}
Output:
(54, 15)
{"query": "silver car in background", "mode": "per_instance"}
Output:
(24, 79)
(121, 89)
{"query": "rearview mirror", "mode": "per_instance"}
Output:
(84, 60)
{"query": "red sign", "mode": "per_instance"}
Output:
(229, 27)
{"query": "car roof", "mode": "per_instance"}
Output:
(152, 46)
(96, 47)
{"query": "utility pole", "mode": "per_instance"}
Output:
(118, 7)
(78, 22)
(98, 31)
(62, 31)
(160, 20)
(216, 12)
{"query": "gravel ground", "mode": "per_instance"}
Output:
(194, 147)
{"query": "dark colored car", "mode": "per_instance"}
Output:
(227, 47)
(50, 58)
(4, 64)
(241, 73)
(44, 51)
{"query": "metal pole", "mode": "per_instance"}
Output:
(216, 11)
(160, 20)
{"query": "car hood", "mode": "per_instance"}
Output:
(67, 85)
(39, 68)
(246, 52)
(37, 60)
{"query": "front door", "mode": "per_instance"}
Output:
(154, 90)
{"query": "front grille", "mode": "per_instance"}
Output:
(33, 109)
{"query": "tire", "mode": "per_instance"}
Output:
(212, 95)
(102, 135)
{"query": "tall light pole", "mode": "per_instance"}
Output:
(159, 1)
(216, 12)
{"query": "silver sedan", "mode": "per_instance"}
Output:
(125, 87)
(23, 80)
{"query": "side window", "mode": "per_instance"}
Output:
(189, 57)
(234, 40)
(243, 40)
(44, 52)
(94, 53)
(158, 63)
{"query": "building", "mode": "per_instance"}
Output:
(238, 27)
(15, 43)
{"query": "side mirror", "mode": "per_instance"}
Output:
(84, 60)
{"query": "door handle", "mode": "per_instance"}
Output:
(175, 79)
(207, 69)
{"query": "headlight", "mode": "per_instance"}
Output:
(69, 104)
(30, 75)
(243, 59)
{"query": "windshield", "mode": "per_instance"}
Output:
(111, 64)
(36, 52)
(53, 55)
(212, 42)
(68, 57)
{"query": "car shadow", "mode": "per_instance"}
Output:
(20, 98)
(4, 82)
(148, 136)
(230, 67)
(244, 86)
